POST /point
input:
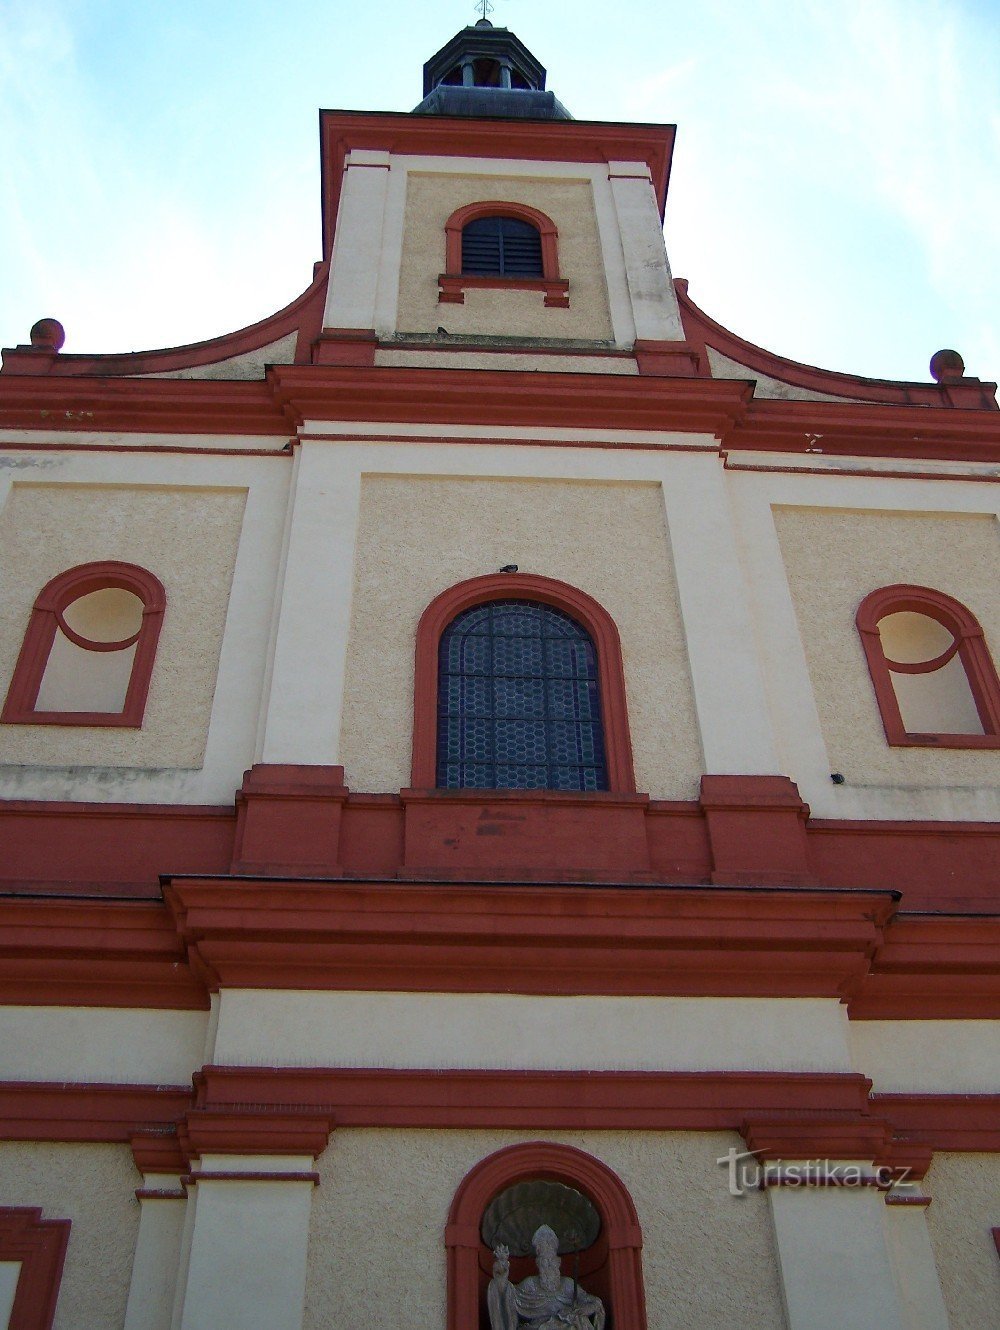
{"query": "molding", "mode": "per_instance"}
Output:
(490, 937)
(452, 288)
(961, 1122)
(40, 1245)
(538, 1100)
(933, 967)
(969, 645)
(94, 953)
(522, 586)
(238, 1128)
(79, 1113)
(190, 1179)
(400, 134)
(48, 618)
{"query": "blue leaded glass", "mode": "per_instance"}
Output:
(518, 701)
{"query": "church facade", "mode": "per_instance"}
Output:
(499, 785)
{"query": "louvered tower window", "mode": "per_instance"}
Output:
(519, 701)
(501, 247)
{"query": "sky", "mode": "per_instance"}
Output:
(835, 195)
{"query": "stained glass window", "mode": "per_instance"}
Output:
(501, 247)
(518, 701)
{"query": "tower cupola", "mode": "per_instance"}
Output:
(487, 71)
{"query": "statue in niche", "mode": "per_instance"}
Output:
(549, 1300)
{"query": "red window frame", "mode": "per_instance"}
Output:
(969, 645)
(453, 283)
(522, 586)
(40, 1245)
(47, 617)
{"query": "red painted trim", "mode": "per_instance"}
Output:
(236, 1128)
(291, 1110)
(537, 1100)
(451, 290)
(453, 283)
(851, 429)
(152, 1194)
(48, 617)
(107, 1114)
(191, 1179)
(522, 398)
(527, 939)
(558, 1163)
(542, 223)
(523, 586)
(996, 1239)
(554, 141)
(969, 644)
(944, 1121)
(94, 953)
(40, 1245)
(159, 1152)
(700, 328)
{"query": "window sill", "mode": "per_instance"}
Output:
(944, 741)
(452, 288)
(88, 719)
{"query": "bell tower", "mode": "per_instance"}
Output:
(487, 71)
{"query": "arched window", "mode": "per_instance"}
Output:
(501, 246)
(88, 653)
(519, 707)
(610, 1267)
(934, 679)
(519, 685)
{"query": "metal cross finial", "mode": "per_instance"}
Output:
(485, 6)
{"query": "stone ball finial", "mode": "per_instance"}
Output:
(946, 366)
(48, 335)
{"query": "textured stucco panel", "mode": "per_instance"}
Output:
(376, 1247)
(966, 1205)
(430, 201)
(247, 365)
(188, 537)
(834, 558)
(417, 536)
(94, 1186)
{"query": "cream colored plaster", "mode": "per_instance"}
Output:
(723, 367)
(837, 1267)
(441, 1030)
(101, 1044)
(419, 535)
(430, 201)
(188, 538)
(555, 364)
(249, 365)
(834, 558)
(928, 1057)
(94, 1187)
(966, 1205)
(377, 1254)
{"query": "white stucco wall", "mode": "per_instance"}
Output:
(419, 535)
(376, 1246)
(188, 538)
(94, 1187)
(965, 1206)
(440, 1030)
(431, 198)
(109, 1044)
(833, 560)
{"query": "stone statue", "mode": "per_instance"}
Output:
(546, 1301)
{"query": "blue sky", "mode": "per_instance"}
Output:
(835, 194)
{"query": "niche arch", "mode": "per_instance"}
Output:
(469, 1260)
